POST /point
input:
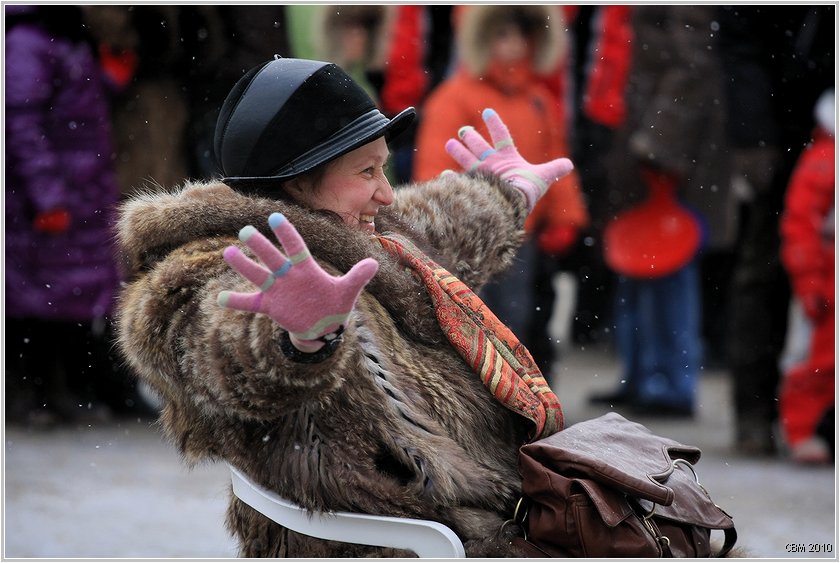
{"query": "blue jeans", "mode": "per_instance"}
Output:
(657, 324)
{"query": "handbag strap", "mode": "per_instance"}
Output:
(730, 535)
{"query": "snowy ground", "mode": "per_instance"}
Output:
(115, 491)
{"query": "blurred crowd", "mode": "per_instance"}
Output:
(698, 224)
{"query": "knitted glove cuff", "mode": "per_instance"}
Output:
(527, 182)
(331, 342)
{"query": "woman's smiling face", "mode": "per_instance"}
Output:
(354, 186)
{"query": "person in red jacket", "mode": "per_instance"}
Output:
(807, 252)
(504, 54)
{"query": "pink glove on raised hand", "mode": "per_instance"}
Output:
(295, 292)
(473, 152)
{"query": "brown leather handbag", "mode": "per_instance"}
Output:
(609, 487)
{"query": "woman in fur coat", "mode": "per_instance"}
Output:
(340, 372)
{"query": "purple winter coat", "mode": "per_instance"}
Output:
(58, 154)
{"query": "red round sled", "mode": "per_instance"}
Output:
(653, 239)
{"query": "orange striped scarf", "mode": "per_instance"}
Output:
(493, 352)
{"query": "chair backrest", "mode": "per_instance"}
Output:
(424, 537)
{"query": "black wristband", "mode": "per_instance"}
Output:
(331, 342)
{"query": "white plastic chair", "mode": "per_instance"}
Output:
(424, 537)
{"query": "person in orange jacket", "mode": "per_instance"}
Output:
(504, 54)
(806, 397)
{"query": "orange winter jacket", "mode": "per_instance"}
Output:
(534, 122)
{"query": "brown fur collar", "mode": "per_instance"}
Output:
(152, 224)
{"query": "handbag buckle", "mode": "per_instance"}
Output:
(680, 461)
(663, 542)
(518, 519)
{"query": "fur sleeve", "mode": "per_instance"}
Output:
(473, 223)
(200, 356)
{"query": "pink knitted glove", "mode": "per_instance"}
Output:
(295, 291)
(473, 152)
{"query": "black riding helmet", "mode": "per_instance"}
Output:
(287, 116)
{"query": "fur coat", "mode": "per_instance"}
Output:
(394, 422)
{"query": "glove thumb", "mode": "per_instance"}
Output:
(555, 169)
(359, 275)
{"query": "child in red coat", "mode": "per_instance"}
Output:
(807, 252)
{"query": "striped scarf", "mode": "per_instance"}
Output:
(492, 351)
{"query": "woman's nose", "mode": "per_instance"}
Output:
(384, 195)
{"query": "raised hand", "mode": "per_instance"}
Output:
(473, 152)
(293, 289)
